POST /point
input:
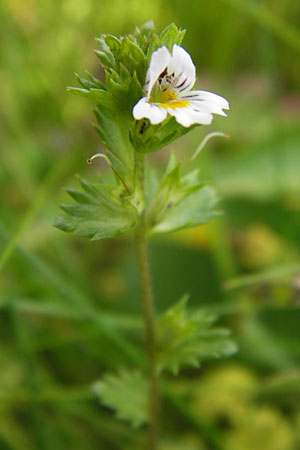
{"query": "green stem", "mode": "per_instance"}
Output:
(147, 298)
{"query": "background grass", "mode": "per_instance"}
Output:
(69, 308)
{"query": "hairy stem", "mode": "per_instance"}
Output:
(147, 298)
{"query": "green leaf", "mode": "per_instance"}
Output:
(118, 92)
(125, 393)
(137, 56)
(180, 201)
(114, 132)
(86, 84)
(83, 92)
(128, 54)
(101, 96)
(197, 208)
(124, 76)
(95, 80)
(113, 43)
(148, 28)
(143, 35)
(105, 54)
(165, 197)
(186, 338)
(163, 134)
(154, 44)
(135, 91)
(98, 214)
(171, 35)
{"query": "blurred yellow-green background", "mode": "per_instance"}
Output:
(69, 308)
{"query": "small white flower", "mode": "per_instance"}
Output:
(168, 85)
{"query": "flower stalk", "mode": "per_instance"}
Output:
(148, 307)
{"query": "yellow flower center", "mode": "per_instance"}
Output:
(174, 105)
(167, 96)
(167, 99)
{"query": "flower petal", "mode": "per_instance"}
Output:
(183, 67)
(158, 62)
(140, 109)
(209, 97)
(143, 110)
(208, 107)
(187, 117)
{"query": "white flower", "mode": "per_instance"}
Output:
(168, 85)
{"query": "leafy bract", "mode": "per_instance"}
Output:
(197, 208)
(151, 138)
(185, 338)
(169, 36)
(180, 201)
(125, 61)
(113, 130)
(99, 212)
(126, 393)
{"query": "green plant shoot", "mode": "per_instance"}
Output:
(148, 101)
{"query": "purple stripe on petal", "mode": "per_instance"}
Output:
(181, 84)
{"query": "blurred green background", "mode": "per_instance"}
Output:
(69, 308)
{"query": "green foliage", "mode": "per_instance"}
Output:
(113, 130)
(186, 338)
(125, 61)
(125, 66)
(169, 36)
(196, 209)
(125, 393)
(100, 212)
(151, 138)
(45, 375)
(180, 200)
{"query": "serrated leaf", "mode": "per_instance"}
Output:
(144, 34)
(148, 28)
(86, 84)
(98, 213)
(95, 80)
(137, 57)
(165, 134)
(114, 44)
(105, 54)
(114, 132)
(103, 98)
(125, 76)
(186, 338)
(154, 44)
(135, 91)
(197, 208)
(163, 198)
(125, 393)
(82, 197)
(118, 92)
(171, 35)
(100, 96)
(173, 190)
(83, 92)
